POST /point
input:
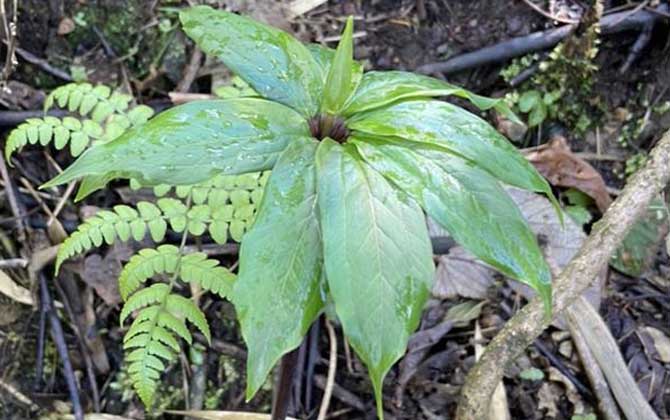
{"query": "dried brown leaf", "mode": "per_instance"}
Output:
(556, 162)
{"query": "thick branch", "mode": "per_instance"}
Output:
(527, 324)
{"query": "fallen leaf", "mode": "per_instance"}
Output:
(570, 389)
(556, 162)
(102, 273)
(8, 287)
(661, 342)
(459, 273)
(65, 26)
(547, 399)
(222, 415)
(560, 243)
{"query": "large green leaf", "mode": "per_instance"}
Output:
(277, 293)
(451, 128)
(338, 83)
(275, 64)
(468, 202)
(380, 88)
(377, 254)
(193, 142)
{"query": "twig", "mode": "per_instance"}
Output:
(548, 15)
(61, 347)
(43, 64)
(599, 156)
(191, 71)
(18, 395)
(13, 118)
(312, 356)
(639, 45)
(341, 393)
(606, 403)
(282, 389)
(179, 98)
(88, 363)
(9, 29)
(606, 351)
(11, 197)
(595, 252)
(14, 263)
(536, 41)
(332, 368)
(39, 358)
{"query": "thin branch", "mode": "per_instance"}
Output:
(606, 236)
(606, 403)
(61, 347)
(332, 368)
(43, 64)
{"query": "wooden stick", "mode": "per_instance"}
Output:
(606, 236)
(606, 403)
(606, 352)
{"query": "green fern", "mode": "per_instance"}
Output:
(167, 259)
(150, 342)
(83, 99)
(106, 226)
(50, 129)
(110, 115)
(232, 202)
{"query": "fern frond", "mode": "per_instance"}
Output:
(78, 134)
(123, 222)
(150, 342)
(165, 259)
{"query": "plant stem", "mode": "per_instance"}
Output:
(282, 390)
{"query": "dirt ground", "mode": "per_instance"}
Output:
(132, 44)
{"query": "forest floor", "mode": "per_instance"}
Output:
(594, 108)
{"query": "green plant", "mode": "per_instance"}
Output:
(222, 207)
(355, 157)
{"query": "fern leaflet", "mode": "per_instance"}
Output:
(167, 259)
(123, 222)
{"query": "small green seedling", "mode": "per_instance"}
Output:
(356, 160)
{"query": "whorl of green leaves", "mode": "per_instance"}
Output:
(356, 160)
